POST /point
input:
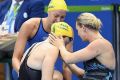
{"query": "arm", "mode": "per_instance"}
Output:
(20, 44)
(66, 71)
(76, 70)
(87, 53)
(48, 69)
(71, 67)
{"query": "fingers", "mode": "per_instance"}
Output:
(51, 37)
(52, 34)
(60, 37)
(51, 40)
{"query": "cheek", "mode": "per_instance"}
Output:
(52, 19)
(81, 33)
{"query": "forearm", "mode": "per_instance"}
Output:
(16, 60)
(76, 70)
(67, 74)
(72, 68)
(65, 54)
(16, 64)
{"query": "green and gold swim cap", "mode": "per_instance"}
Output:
(62, 28)
(57, 5)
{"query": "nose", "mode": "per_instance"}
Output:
(58, 19)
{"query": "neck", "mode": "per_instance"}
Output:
(94, 36)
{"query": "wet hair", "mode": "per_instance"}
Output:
(89, 20)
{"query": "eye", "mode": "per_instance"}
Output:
(68, 39)
(62, 17)
(56, 16)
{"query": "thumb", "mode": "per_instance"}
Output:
(60, 37)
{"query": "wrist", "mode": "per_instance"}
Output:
(61, 47)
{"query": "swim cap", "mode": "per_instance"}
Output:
(57, 5)
(62, 28)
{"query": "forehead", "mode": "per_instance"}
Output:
(58, 12)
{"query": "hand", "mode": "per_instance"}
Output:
(57, 41)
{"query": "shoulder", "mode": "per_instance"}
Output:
(30, 24)
(48, 48)
(51, 48)
(32, 21)
(100, 44)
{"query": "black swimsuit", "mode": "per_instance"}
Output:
(94, 70)
(26, 73)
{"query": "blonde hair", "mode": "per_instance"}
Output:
(90, 21)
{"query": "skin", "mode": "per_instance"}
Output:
(76, 70)
(57, 75)
(98, 48)
(39, 59)
(25, 34)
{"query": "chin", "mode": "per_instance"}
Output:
(84, 40)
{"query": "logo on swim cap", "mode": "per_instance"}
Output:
(62, 28)
(57, 5)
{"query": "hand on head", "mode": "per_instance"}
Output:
(56, 40)
(58, 30)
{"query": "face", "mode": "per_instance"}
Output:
(67, 40)
(56, 16)
(81, 31)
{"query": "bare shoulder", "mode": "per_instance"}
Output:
(27, 28)
(29, 25)
(32, 21)
(51, 48)
(46, 46)
(104, 42)
(101, 44)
